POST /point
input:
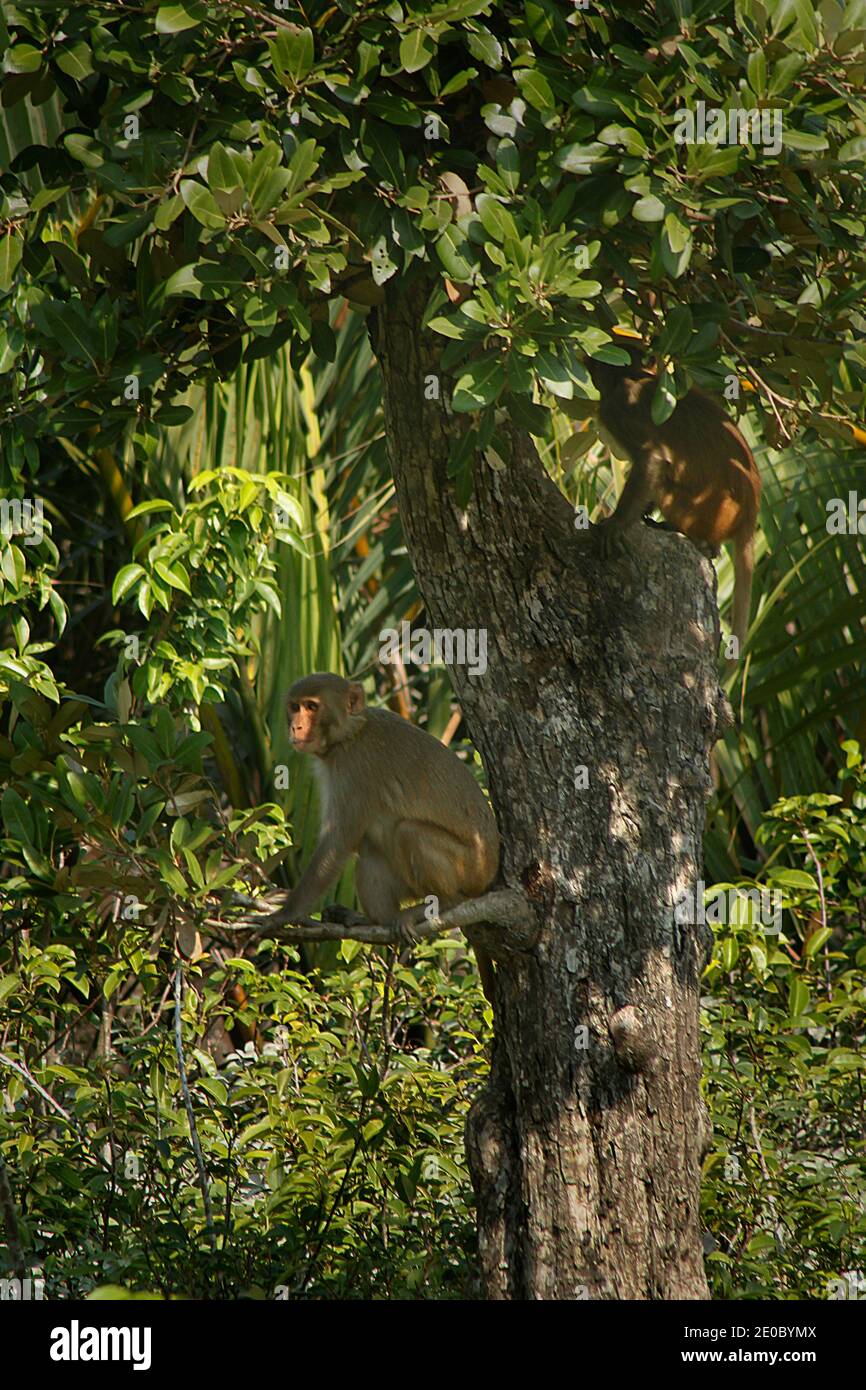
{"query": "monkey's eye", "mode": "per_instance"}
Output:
(311, 706)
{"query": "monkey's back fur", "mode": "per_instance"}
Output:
(425, 782)
(711, 493)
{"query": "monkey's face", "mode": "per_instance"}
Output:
(307, 725)
(323, 710)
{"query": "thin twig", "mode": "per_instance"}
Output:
(10, 1221)
(772, 396)
(190, 1113)
(823, 901)
(31, 1081)
(765, 1172)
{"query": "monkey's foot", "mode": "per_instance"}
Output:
(709, 552)
(611, 540)
(343, 916)
(407, 924)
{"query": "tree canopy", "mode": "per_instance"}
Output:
(199, 179)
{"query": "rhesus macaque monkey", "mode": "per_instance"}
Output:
(396, 797)
(696, 468)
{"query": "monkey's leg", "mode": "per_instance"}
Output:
(437, 865)
(380, 888)
(706, 548)
(638, 496)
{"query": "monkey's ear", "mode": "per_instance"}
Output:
(355, 698)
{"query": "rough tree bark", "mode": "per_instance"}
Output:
(585, 1148)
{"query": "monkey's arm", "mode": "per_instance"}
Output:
(322, 871)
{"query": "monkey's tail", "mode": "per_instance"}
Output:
(744, 565)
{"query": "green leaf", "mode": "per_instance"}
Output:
(555, 376)
(481, 384)
(386, 157)
(11, 248)
(22, 57)
(798, 998)
(756, 72)
(853, 151)
(202, 204)
(803, 140)
(454, 251)
(16, 817)
(450, 328)
(46, 196)
(508, 164)
(175, 576)
(677, 331)
(153, 504)
(382, 264)
(486, 47)
(168, 210)
(664, 401)
(292, 53)
(170, 874)
(675, 259)
(216, 1089)
(221, 170)
(584, 159)
(495, 219)
(677, 232)
(456, 83)
(817, 940)
(75, 60)
(784, 73)
(793, 878)
(648, 209)
(173, 19)
(184, 281)
(416, 49)
(303, 164)
(124, 581)
(535, 88)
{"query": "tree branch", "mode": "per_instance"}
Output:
(506, 911)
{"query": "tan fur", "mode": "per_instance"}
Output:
(393, 795)
(696, 468)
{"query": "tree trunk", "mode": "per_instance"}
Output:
(585, 1148)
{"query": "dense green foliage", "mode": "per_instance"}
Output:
(784, 1017)
(334, 1153)
(334, 1148)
